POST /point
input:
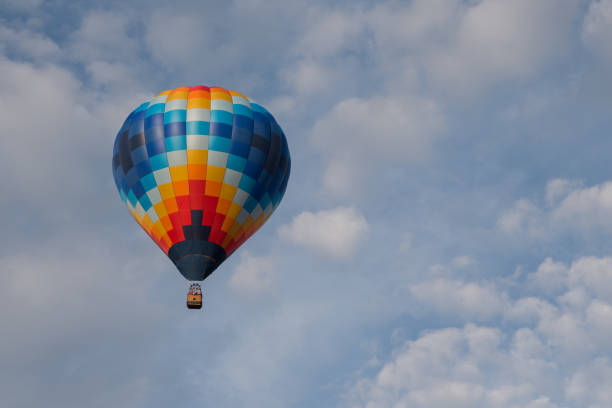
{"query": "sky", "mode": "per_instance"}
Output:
(445, 239)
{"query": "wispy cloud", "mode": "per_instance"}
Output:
(254, 274)
(337, 232)
(544, 362)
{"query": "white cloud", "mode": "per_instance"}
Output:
(404, 28)
(109, 52)
(550, 277)
(309, 77)
(599, 320)
(465, 47)
(42, 120)
(337, 232)
(499, 40)
(106, 73)
(567, 333)
(78, 307)
(576, 298)
(455, 48)
(254, 274)
(461, 47)
(60, 133)
(590, 386)
(597, 29)
(558, 189)
(569, 207)
(542, 402)
(455, 368)
(400, 50)
(103, 35)
(392, 128)
(328, 32)
(587, 207)
(178, 45)
(523, 217)
(406, 242)
(594, 274)
(29, 44)
(553, 353)
(195, 43)
(281, 104)
(456, 298)
(463, 261)
(580, 321)
(530, 310)
(360, 136)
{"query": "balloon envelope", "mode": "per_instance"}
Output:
(200, 169)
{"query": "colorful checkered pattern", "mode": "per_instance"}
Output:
(200, 169)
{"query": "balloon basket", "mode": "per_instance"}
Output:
(194, 296)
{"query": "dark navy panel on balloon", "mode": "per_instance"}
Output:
(282, 165)
(140, 154)
(154, 121)
(132, 176)
(196, 232)
(116, 161)
(220, 129)
(242, 135)
(243, 122)
(196, 259)
(196, 267)
(196, 217)
(156, 147)
(154, 133)
(261, 125)
(283, 186)
(252, 169)
(175, 129)
(273, 153)
(124, 185)
(264, 178)
(257, 156)
(138, 189)
(137, 125)
(136, 140)
(124, 152)
(260, 143)
(274, 128)
(275, 182)
(240, 149)
(257, 192)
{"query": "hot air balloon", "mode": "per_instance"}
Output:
(200, 169)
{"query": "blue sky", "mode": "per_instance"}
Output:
(444, 241)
